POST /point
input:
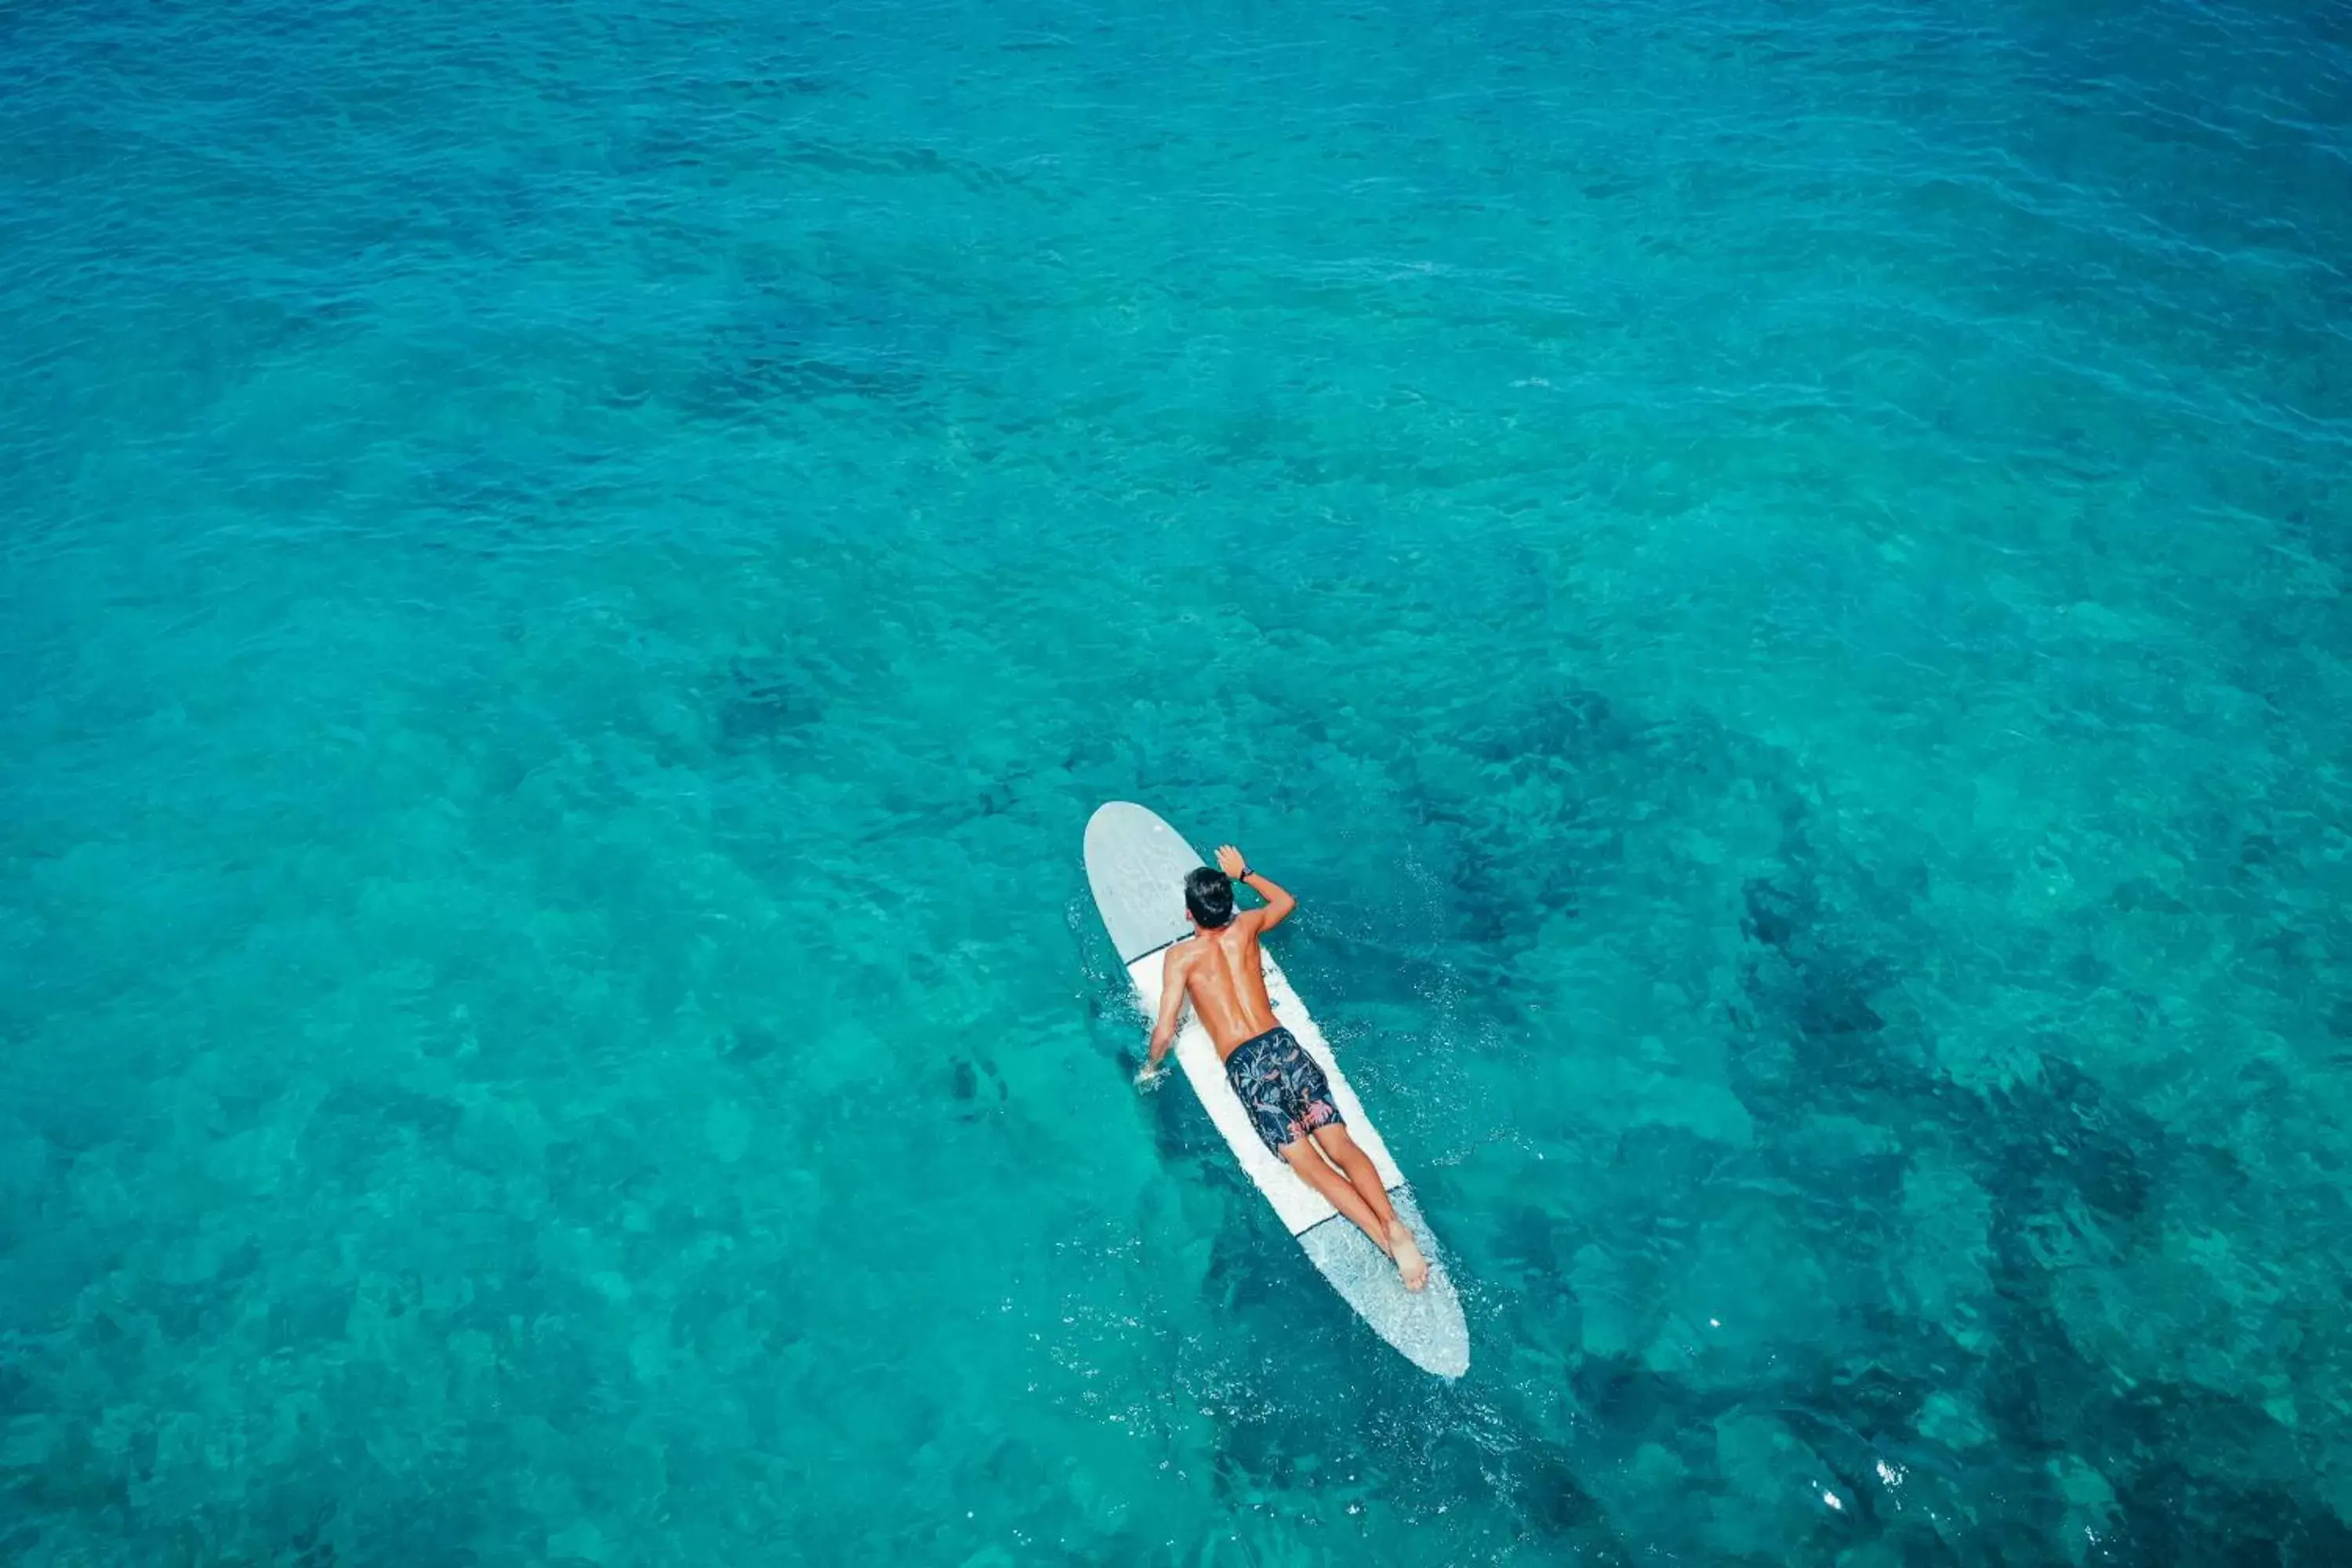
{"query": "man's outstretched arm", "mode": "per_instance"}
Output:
(1278, 902)
(1172, 1008)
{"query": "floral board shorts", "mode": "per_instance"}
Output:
(1285, 1094)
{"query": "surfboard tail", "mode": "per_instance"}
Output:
(1427, 1326)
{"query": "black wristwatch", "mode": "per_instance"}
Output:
(1247, 872)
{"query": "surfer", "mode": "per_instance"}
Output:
(1287, 1097)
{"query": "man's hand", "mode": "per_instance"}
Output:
(1148, 1077)
(1230, 860)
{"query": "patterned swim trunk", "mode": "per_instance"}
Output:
(1285, 1094)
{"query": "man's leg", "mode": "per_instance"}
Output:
(1358, 1167)
(1337, 1190)
(1394, 1235)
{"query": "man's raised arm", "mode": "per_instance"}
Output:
(1279, 901)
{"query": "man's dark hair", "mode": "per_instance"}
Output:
(1208, 894)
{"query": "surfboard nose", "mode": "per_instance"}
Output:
(1136, 863)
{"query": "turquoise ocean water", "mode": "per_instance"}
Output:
(1773, 575)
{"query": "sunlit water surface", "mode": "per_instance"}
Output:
(1773, 577)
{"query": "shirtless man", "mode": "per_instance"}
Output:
(1286, 1096)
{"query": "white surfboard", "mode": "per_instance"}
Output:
(1136, 863)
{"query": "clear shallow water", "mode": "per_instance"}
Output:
(1774, 580)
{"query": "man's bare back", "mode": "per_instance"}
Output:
(1218, 970)
(1288, 1100)
(1221, 973)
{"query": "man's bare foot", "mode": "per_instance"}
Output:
(1407, 1252)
